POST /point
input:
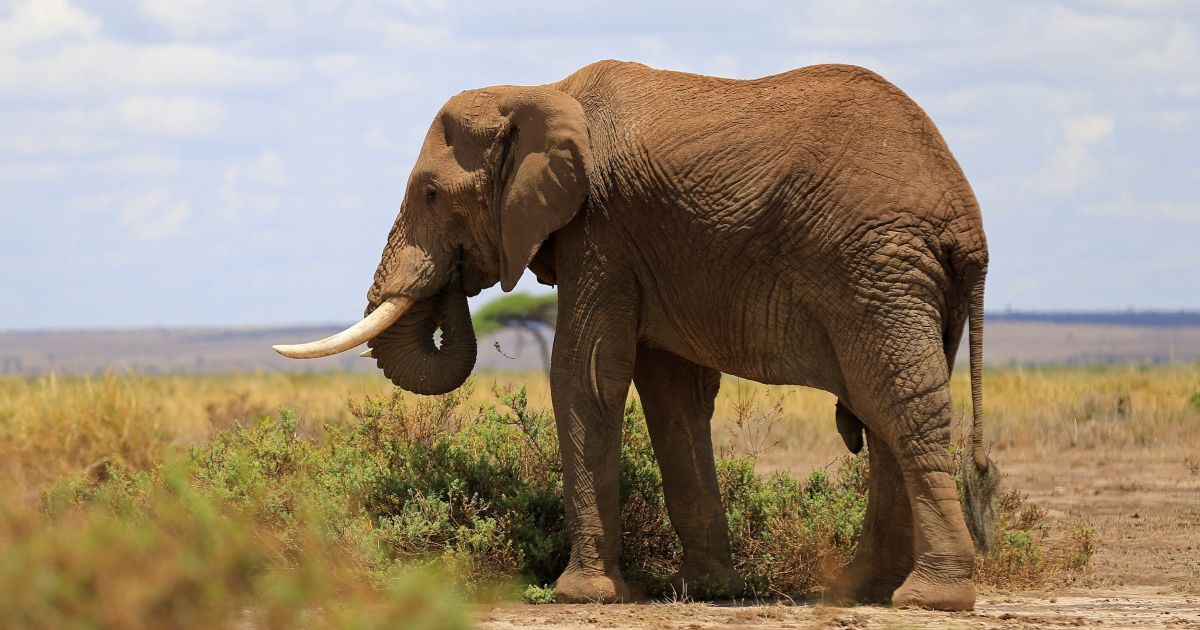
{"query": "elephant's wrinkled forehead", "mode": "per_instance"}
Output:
(471, 116)
(463, 130)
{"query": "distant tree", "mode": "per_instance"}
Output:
(529, 314)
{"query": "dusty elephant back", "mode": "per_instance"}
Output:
(790, 148)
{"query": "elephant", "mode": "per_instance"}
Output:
(808, 228)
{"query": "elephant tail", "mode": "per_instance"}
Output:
(975, 347)
(979, 475)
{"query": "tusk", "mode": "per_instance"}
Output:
(365, 330)
(366, 354)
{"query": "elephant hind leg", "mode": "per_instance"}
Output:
(677, 396)
(906, 396)
(885, 550)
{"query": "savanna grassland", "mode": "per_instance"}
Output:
(270, 500)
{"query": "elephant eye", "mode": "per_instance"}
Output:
(430, 194)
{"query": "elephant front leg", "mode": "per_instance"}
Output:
(677, 396)
(590, 376)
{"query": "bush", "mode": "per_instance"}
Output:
(1028, 554)
(790, 537)
(341, 525)
(156, 551)
(535, 594)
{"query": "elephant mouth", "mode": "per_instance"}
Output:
(401, 334)
(408, 350)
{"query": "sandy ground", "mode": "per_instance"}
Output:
(1127, 608)
(1144, 505)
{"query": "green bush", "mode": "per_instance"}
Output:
(535, 594)
(268, 521)
(788, 536)
(1028, 553)
(160, 551)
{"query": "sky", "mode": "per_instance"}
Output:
(225, 162)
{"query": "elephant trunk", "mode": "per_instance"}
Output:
(408, 355)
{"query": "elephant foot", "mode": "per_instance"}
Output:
(576, 586)
(863, 583)
(921, 592)
(707, 582)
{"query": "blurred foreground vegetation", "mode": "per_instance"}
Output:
(182, 501)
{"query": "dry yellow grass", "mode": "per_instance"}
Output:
(1080, 441)
(53, 425)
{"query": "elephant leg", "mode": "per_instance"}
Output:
(905, 395)
(885, 550)
(592, 368)
(677, 396)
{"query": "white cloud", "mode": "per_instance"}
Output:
(1178, 53)
(1074, 162)
(172, 115)
(194, 18)
(95, 202)
(39, 20)
(243, 186)
(843, 24)
(103, 67)
(1088, 129)
(1148, 5)
(368, 85)
(142, 165)
(402, 34)
(1176, 119)
(154, 216)
(30, 171)
(1157, 211)
(377, 139)
(267, 170)
(336, 63)
(40, 142)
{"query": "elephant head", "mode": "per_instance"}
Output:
(499, 171)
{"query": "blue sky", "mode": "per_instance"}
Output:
(179, 162)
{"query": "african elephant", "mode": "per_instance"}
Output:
(807, 228)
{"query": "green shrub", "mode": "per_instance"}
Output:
(788, 537)
(535, 594)
(159, 551)
(271, 522)
(1028, 553)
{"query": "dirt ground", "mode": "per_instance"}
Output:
(1144, 505)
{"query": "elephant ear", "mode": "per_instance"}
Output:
(544, 176)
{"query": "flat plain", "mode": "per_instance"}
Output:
(1112, 448)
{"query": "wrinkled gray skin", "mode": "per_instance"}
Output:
(808, 228)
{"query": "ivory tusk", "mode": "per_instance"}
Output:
(365, 330)
(366, 354)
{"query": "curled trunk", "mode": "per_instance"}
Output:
(408, 355)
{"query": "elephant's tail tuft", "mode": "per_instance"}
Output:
(980, 489)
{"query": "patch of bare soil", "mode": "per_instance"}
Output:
(1143, 503)
(1126, 608)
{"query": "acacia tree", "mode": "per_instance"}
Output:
(533, 315)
